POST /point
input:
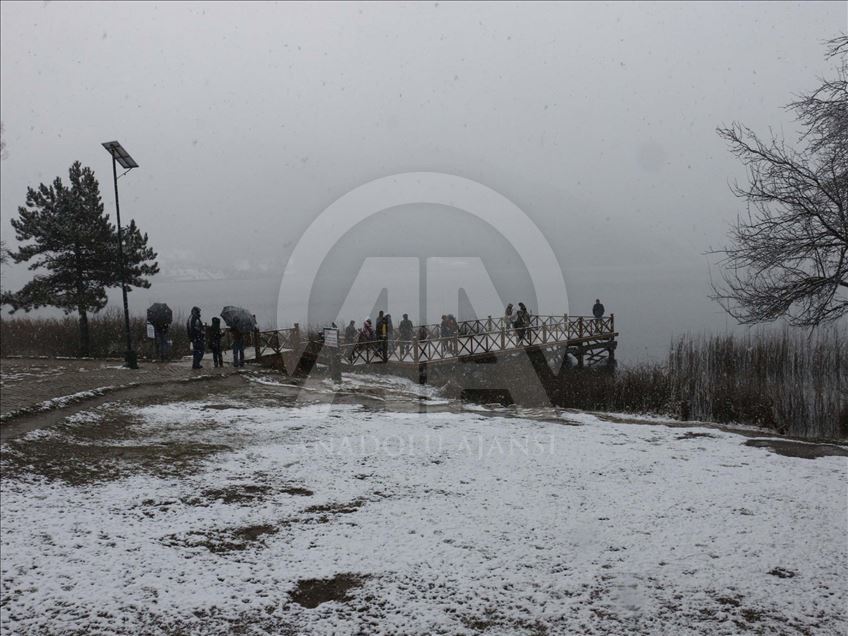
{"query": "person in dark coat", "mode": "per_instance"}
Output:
(238, 347)
(522, 322)
(350, 333)
(215, 335)
(405, 331)
(389, 341)
(382, 336)
(598, 309)
(160, 339)
(350, 339)
(453, 332)
(598, 312)
(196, 334)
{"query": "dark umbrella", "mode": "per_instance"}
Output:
(238, 318)
(160, 314)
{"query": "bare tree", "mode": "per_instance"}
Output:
(789, 252)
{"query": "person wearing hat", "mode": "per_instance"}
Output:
(405, 330)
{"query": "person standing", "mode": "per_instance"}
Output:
(598, 309)
(405, 330)
(350, 333)
(366, 334)
(350, 340)
(366, 338)
(382, 335)
(598, 312)
(444, 334)
(238, 347)
(197, 337)
(160, 339)
(522, 323)
(508, 319)
(453, 333)
(389, 343)
(215, 335)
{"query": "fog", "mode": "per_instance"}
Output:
(249, 120)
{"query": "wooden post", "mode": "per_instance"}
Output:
(256, 344)
(415, 355)
(580, 328)
(612, 323)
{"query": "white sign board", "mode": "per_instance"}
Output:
(151, 331)
(331, 338)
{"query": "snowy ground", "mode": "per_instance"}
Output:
(398, 512)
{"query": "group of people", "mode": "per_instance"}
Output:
(520, 320)
(380, 336)
(199, 334)
(385, 340)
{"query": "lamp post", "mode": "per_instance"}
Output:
(121, 156)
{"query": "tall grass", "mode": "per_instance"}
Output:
(643, 388)
(28, 336)
(789, 381)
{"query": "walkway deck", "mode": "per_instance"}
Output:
(581, 335)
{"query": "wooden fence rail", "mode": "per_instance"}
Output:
(471, 338)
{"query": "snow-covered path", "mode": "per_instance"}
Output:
(440, 522)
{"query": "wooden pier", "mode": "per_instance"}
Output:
(590, 341)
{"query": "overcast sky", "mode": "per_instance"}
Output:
(597, 120)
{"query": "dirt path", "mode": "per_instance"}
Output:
(36, 392)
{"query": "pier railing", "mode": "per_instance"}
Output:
(469, 338)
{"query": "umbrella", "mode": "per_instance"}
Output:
(159, 314)
(238, 318)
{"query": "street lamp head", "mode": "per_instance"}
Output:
(121, 156)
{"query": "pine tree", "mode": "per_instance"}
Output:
(70, 243)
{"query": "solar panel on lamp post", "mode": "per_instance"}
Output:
(121, 156)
